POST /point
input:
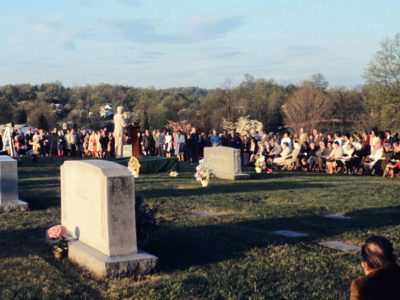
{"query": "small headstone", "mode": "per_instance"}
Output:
(338, 245)
(200, 214)
(9, 200)
(226, 162)
(289, 233)
(98, 210)
(337, 217)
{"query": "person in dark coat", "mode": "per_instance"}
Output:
(382, 273)
(193, 143)
(53, 142)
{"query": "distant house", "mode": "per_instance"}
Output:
(106, 111)
(57, 107)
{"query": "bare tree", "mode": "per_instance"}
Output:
(307, 108)
(227, 86)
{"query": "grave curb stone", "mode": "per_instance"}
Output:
(111, 266)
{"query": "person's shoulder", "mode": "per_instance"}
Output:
(356, 288)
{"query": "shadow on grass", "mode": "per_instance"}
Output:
(31, 242)
(181, 248)
(237, 187)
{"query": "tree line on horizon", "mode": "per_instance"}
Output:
(310, 104)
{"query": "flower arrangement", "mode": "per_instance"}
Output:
(243, 125)
(134, 166)
(174, 174)
(260, 164)
(203, 173)
(56, 235)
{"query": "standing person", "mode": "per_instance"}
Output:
(79, 142)
(161, 143)
(382, 273)
(157, 143)
(152, 148)
(72, 141)
(215, 139)
(103, 143)
(202, 143)
(193, 142)
(168, 144)
(237, 141)
(146, 142)
(60, 143)
(111, 146)
(92, 145)
(36, 143)
(28, 138)
(53, 143)
(67, 142)
(231, 138)
(224, 138)
(98, 145)
(86, 143)
(245, 150)
(180, 146)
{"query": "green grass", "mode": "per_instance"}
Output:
(229, 254)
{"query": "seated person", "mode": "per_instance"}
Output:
(283, 155)
(348, 151)
(321, 154)
(382, 274)
(276, 151)
(310, 158)
(334, 156)
(372, 159)
(393, 166)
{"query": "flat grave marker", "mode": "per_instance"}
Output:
(340, 246)
(337, 217)
(290, 233)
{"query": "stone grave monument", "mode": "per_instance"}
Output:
(225, 162)
(9, 200)
(98, 210)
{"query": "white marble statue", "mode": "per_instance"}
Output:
(119, 124)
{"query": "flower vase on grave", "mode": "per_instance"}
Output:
(258, 170)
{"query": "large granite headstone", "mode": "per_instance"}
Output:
(98, 210)
(225, 161)
(9, 200)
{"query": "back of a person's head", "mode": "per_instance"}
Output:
(377, 251)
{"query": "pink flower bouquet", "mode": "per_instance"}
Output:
(56, 232)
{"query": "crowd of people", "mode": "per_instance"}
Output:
(59, 143)
(357, 153)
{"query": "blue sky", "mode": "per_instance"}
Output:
(171, 43)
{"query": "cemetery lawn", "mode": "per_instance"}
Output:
(213, 242)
